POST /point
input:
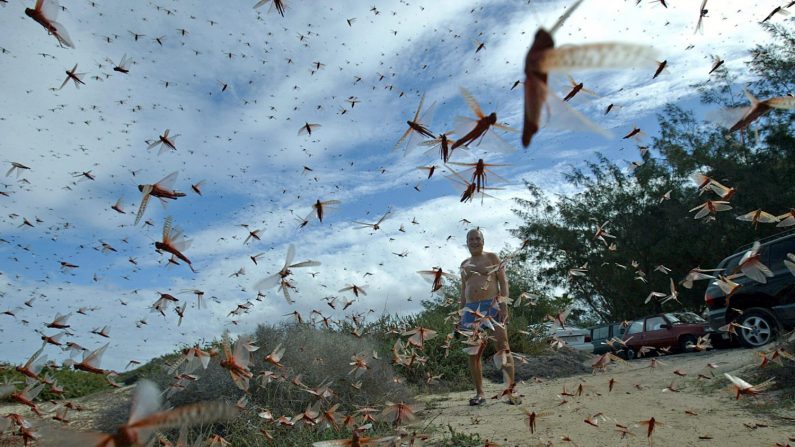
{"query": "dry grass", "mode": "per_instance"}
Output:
(316, 357)
(781, 395)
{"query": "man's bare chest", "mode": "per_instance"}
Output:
(481, 267)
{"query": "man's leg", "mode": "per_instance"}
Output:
(476, 369)
(508, 370)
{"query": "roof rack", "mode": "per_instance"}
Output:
(769, 238)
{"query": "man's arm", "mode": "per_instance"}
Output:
(502, 289)
(462, 301)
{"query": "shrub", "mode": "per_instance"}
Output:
(456, 439)
(318, 357)
(75, 383)
(452, 363)
(783, 390)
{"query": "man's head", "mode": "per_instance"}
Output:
(475, 241)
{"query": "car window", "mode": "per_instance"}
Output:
(654, 323)
(778, 252)
(635, 327)
(684, 317)
(600, 332)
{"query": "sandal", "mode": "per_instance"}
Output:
(477, 400)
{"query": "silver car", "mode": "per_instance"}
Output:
(573, 337)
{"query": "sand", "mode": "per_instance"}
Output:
(639, 393)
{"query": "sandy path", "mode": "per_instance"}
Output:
(93, 407)
(720, 419)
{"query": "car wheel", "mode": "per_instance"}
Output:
(628, 353)
(759, 327)
(687, 342)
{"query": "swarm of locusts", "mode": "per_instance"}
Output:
(128, 133)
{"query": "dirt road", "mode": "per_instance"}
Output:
(639, 393)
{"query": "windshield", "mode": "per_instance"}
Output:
(684, 317)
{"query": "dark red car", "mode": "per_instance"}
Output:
(678, 331)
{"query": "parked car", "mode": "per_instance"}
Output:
(676, 330)
(759, 309)
(601, 336)
(573, 337)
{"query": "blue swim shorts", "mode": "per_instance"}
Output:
(488, 307)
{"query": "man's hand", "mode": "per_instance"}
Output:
(502, 313)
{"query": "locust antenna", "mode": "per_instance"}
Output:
(565, 16)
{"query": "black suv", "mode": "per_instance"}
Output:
(764, 309)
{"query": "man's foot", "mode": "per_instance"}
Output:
(477, 400)
(514, 400)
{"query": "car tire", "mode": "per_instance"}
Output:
(762, 325)
(628, 353)
(687, 342)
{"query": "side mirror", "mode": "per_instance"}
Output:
(665, 326)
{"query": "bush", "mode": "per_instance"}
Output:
(456, 439)
(323, 356)
(75, 383)
(318, 357)
(783, 390)
(450, 362)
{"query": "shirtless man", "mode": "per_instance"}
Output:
(481, 291)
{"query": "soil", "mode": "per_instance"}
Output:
(700, 412)
(561, 363)
(100, 412)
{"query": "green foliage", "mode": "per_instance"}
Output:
(150, 369)
(650, 231)
(450, 363)
(242, 432)
(75, 383)
(443, 356)
(456, 439)
(774, 63)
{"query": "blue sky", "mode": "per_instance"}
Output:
(244, 143)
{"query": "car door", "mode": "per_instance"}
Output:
(654, 333)
(599, 337)
(618, 330)
(632, 337)
(782, 284)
